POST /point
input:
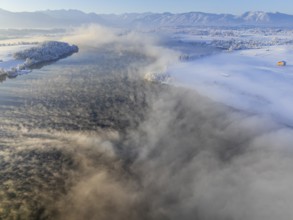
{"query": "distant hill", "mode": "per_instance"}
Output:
(267, 19)
(208, 19)
(47, 19)
(65, 18)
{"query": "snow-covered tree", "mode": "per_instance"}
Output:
(45, 52)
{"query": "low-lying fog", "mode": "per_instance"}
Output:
(88, 138)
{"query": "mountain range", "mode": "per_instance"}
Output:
(66, 18)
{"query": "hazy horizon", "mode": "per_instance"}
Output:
(141, 12)
(131, 6)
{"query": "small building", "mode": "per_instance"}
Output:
(281, 63)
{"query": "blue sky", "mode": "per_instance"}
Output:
(121, 6)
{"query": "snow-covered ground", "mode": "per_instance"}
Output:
(247, 80)
(232, 38)
(236, 66)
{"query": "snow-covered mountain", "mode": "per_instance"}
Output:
(185, 19)
(46, 19)
(73, 16)
(202, 19)
(269, 19)
(24, 19)
(65, 18)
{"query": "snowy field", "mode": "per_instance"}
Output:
(237, 67)
(233, 38)
(249, 80)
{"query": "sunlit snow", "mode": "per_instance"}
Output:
(249, 80)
